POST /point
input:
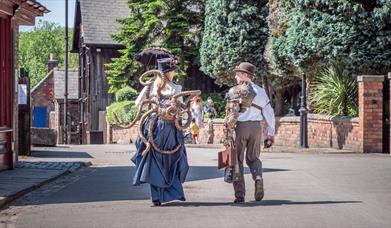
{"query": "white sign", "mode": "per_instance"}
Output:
(22, 91)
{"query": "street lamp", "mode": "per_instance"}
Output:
(303, 113)
(65, 129)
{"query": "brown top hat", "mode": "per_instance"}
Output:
(246, 67)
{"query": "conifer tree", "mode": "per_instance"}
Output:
(234, 31)
(170, 24)
(316, 32)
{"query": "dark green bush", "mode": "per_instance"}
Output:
(124, 110)
(126, 94)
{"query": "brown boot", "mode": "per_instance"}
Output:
(259, 193)
(239, 199)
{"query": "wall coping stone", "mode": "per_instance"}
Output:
(370, 78)
(310, 117)
(319, 117)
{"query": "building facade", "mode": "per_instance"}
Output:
(12, 14)
(47, 102)
(95, 21)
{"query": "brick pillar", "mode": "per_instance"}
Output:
(370, 92)
(389, 111)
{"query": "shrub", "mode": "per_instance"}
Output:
(335, 92)
(124, 110)
(126, 94)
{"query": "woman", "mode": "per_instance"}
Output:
(164, 172)
(197, 111)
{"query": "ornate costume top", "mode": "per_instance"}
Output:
(253, 113)
(161, 103)
(169, 90)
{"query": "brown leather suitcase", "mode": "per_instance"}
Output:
(226, 158)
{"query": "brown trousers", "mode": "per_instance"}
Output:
(248, 136)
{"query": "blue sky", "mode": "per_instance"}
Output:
(56, 14)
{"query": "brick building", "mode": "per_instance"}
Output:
(12, 14)
(47, 101)
(42, 102)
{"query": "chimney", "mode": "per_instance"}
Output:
(52, 63)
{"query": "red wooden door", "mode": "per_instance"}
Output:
(6, 91)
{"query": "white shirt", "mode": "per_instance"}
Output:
(197, 109)
(169, 89)
(254, 114)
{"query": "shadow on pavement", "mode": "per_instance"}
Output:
(211, 172)
(254, 203)
(101, 184)
(59, 154)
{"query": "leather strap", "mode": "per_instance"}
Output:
(260, 108)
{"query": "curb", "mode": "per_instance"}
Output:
(4, 202)
(206, 146)
(282, 149)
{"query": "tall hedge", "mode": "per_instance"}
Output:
(234, 31)
(315, 32)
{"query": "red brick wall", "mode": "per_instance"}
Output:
(363, 134)
(116, 134)
(389, 111)
(323, 131)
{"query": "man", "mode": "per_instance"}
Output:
(248, 133)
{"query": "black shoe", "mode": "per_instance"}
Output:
(239, 200)
(182, 198)
(156, 203)
(259, 193)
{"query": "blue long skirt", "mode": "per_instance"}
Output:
(164, 172)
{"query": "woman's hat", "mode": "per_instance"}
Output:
(246, 67)
(167, 64)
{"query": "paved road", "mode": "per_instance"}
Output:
(302, 190)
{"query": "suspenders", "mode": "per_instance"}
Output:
(260, 108)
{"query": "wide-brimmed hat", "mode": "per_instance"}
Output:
(246, 67)
(167, 64)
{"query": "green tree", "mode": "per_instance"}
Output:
(35, 47)
(315, 32)
(171, 24)
(234, 31)
(278, 81)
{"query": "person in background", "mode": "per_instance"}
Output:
(197, 111)
(195, 131)
(210, 109)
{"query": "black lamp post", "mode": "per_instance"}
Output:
(303, 114)
(65, 128)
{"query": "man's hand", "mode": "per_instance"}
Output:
(268, 142)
